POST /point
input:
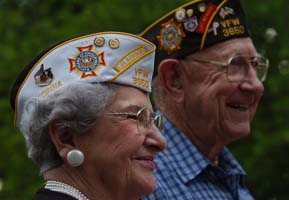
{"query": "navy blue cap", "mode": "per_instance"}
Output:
(195, 26)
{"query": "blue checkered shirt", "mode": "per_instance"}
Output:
(183, 173)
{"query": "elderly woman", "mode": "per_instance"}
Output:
(84, 110)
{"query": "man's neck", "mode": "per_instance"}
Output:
(201, 138)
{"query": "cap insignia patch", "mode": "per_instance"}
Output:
(226, 11)
(191, 24)
(43, 77)
(171, 36)
(86, 61)
(180, 14)
(202, 7)
(113, 43)
(99, 41)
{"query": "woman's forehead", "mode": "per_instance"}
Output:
(131, 99)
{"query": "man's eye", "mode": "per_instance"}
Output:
(131, 117)
(255, 63)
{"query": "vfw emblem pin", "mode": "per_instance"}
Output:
(86, 61)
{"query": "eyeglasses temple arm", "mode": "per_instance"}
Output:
(221, 64)
(120, 114)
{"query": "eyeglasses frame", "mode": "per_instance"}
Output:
(226, 64)
(153, 118)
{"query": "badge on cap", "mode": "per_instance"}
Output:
(226, 11)
(204, 24)
(190, 12)
(202, 7)
(86, 61)
(99, 41)
(191, 24)
(171, 36)
(180, 14)
(43, 77)
(113, 43)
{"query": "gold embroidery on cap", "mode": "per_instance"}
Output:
(140, 77)
(129, 58)
(49, 89)
(232, 27)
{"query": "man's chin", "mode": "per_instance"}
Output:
(236, 131)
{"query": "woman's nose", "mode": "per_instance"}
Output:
(155, 139)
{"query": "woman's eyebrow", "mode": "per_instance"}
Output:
(131, 108)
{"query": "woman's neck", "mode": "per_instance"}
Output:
(92, 191)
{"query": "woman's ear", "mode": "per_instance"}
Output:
(62, 138)
(171, 79)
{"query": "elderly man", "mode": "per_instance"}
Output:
(207, 85)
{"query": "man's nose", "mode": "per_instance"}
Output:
(252, 83)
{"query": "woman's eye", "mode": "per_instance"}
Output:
(132, 117)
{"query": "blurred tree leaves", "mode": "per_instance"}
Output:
(263, 153)
(29, 26)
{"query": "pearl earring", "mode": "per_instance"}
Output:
(75, 158)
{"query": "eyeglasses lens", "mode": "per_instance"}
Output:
(261, 66)
(145, 118)
(239, 66)
(158, 121)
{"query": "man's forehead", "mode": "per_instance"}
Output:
(229, 48)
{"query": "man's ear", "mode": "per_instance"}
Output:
(171, 79)
(62, 138)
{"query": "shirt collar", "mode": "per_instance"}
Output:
(187, 160)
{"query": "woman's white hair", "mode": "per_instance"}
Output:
(76, 107)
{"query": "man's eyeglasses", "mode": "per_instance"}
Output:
(144, 118)
(238, 66)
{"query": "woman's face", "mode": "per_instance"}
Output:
(117, 155)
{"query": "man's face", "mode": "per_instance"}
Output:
(220, 110)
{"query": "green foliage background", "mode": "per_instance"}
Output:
(29, 26)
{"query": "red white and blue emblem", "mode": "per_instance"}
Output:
(86, 61)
